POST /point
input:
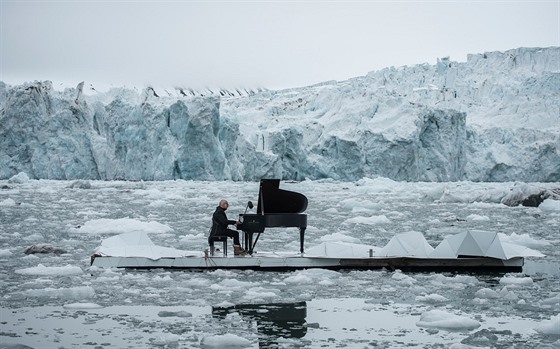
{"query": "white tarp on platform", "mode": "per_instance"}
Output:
(137, 244)
(409, 244)
(480, 243)
(340, 249)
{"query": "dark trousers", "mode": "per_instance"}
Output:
(232, 234)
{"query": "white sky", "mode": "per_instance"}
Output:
(272, 44)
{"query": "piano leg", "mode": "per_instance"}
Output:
(301, 235)
(254, 243)
(248, 241)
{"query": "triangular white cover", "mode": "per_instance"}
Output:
(480, 244)
(409, 244)
(136, 244)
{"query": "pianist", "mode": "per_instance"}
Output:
(220, 224)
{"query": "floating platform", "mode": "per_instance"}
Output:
(286, 263)
(407, 252)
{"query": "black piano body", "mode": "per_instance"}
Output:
(276, 208)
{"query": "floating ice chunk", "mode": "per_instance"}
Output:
(476, 217)
(43, 270)
(523, 240)
(225, 341)
(122, 225)
(181, 313)
(461, 346)
(20, 178)
(432, 298)
(516, 281)
(457, 279)
(80, 184)
(158, 203)
(224, 304)
(486, 293)
(339, 237)
(357, 205)
(82, 306)
(550, 205)
(232, 284)
(166, 340)
(5, 253)
(8, 202)
(555, 300)
(310, 276)
(152, 193)
(382, 219)
(550, 327)
(444, 320)
(403, 278)
(508, 295)
(260, 293)
(79, 292)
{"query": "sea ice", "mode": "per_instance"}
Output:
(381, 219)
(516, 281)
(487, 293)
(550, 327)
(43, 270)
(78, 292)
(432, 298)
(121, 225)
(225, 341)
(550, 205)
(82, 306)
(444, 320)
(8, 202)
(20, 178)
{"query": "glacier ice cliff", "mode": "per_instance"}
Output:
(495, 117)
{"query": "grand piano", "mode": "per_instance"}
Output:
(276, 208)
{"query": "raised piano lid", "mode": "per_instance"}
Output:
(272, 199)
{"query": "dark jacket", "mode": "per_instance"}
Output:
(220, 222)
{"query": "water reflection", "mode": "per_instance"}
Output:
(274, 320)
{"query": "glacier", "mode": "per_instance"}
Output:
(495, 117)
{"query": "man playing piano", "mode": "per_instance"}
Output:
(220, 224)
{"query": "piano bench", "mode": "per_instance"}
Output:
(218, 238)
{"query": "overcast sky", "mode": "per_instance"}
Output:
(272, 44)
